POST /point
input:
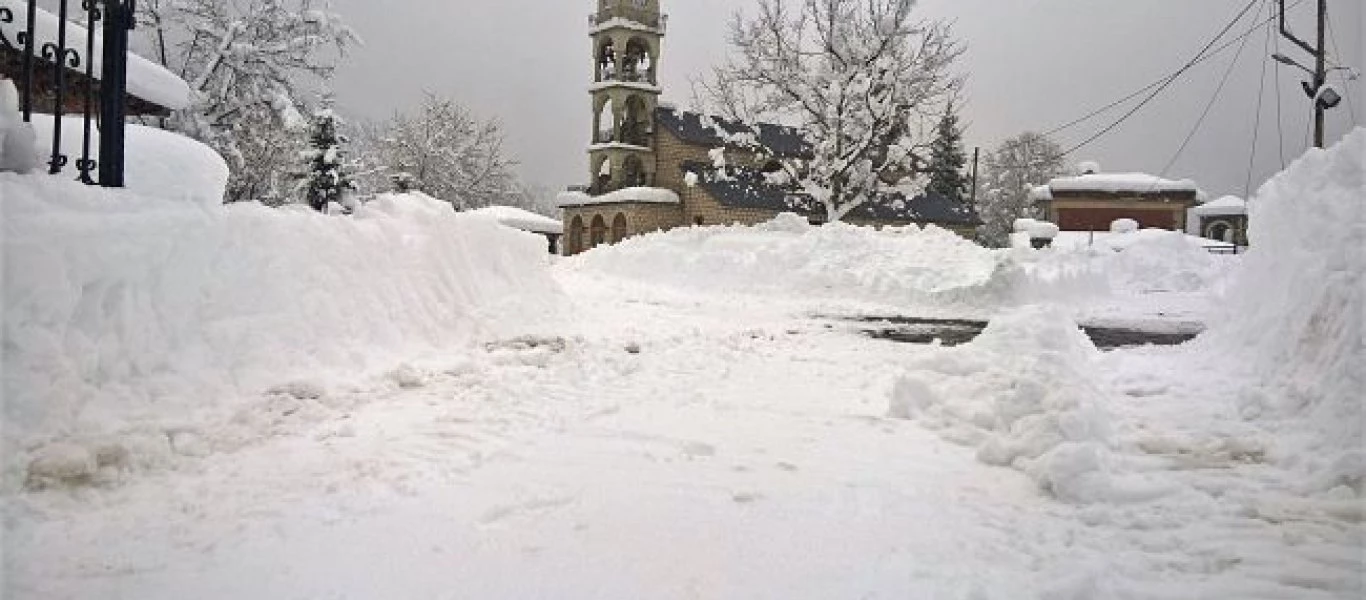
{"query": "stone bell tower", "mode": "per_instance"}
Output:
(627, 38)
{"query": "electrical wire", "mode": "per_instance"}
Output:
(1257, 120)
(1280, 117)
(1199, 59)
(1208, 107)
(1346, 83)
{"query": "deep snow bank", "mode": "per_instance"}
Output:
(787, 256)
(1295, 311)
(127, 313)
(160, 163)
(1024, 396)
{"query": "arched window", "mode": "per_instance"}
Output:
(575, 236)
(619, 228)
(597, 233)
(1219, 230)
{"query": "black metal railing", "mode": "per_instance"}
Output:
(99, 97)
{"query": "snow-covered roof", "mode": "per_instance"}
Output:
(1226, 206)
(646, 195)
(1122, 183)
(521, 219)
(146, 79)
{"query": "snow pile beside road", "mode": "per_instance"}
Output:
(135, 326)
(1295, 313)
(787, 256)
(1023, 395)
(1166, 261)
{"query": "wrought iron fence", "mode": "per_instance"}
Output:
(51, 52)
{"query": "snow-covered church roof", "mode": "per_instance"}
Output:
(517, 218)
(146, 79)
(644, 195)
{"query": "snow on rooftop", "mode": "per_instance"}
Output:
(517, 218)
(647, 195)
(1115, 183)
(1226, 206)
(146, 79)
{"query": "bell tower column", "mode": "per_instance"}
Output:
(627, 42)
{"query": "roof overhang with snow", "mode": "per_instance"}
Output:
(632, 195)
(152, 89)
(1130, 185)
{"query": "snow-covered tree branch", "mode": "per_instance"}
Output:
(858, 77)
(1018, 165)
(247, 62)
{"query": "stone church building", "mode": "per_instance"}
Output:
(649, 163)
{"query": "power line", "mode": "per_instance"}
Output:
(1257, 121)
(1170, 80)
(1280, 118)
(1208, 106)
(1199, 59)
(1346, 83)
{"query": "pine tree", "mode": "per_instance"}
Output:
(327, 181)
(947, 159)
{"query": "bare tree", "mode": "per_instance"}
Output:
(1010, 173)
(858, 77)
(246, 62)
(445, 152)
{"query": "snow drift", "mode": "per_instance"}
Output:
(1023, 395)
(1294, 320)
(787, 256)
(125, 313)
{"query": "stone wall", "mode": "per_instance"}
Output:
(640, 218)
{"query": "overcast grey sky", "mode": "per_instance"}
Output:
(1031, 64)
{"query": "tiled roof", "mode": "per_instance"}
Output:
(701, 130)
(747, 188)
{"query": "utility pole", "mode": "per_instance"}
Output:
(976, 153)
(1320, 73)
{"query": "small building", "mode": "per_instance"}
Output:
(654, 167)
(152, 89)
(1093, 200)
(525, 220)
(1224, 219)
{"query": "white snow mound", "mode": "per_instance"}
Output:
(144, 326)
(1023, 395)
(787, 256)
(1294, 318)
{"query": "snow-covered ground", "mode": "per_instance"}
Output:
(687, 415)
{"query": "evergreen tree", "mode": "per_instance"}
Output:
(326, 181)
(947, 159)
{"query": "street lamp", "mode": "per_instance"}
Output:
(1324, 97)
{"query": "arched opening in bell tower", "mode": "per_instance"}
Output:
(608, 69)
(605, 122)
(635, 124)
(638, 63)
